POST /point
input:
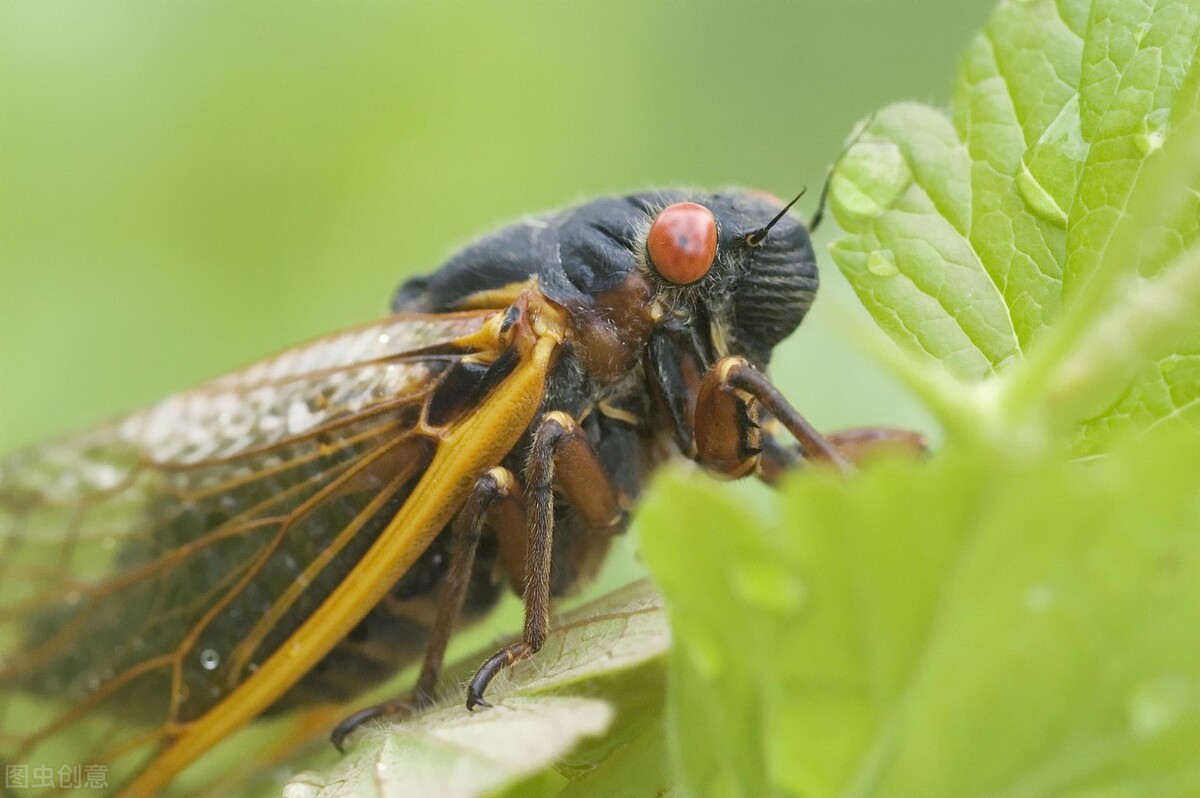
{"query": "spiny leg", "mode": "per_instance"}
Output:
(496, 485)
(736, 373)
(559, 447)
(730, 441)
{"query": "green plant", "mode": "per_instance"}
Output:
(1017, 615)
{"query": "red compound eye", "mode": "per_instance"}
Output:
(683, 242)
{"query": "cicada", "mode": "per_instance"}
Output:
(296, 531)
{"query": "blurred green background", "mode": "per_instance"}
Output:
(186, 186)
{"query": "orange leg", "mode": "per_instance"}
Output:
(730, 442)
(728, 438)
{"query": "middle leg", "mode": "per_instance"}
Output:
(496, 488)
(560, 453)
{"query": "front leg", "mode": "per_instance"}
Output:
(728, 437)
(560, 448)
(730, 442)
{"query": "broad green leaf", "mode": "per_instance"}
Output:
(969, 241)
(966, 627)
(598, 673)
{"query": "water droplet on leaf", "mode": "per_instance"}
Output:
(882, 263)
(872, 178)
(1154, 131)
(1037, 199)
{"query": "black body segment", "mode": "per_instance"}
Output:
(761, 293)
(641, 350)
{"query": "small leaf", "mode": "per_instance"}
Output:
(903, 190)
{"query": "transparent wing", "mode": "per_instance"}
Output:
(147, 567)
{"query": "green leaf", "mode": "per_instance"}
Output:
(903, 192)
(1162, 375)
(579, 686)
(1004, 237)
(1135, 58)
(971, 626)
(459, 755)
(637, 768)
(1016, 109)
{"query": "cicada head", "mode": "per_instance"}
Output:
(736, 264)
(728, 266)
